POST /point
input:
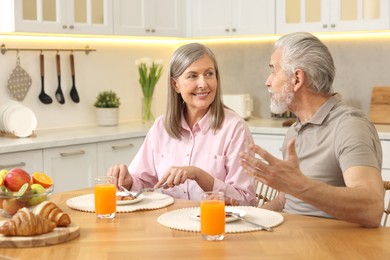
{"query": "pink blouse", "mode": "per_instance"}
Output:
(215, 153)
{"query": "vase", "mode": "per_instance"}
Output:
(147, 113)
(107, 116)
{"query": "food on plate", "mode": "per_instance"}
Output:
(26, 223)
(51, 211)
(126, 197)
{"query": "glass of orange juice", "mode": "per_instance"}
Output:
(212, 216)
(105, 197)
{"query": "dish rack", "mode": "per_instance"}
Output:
(12, 134)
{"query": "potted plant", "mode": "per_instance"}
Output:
(107, 108)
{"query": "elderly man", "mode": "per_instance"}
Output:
(332, 154)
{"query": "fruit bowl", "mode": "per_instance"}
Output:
(11, 202)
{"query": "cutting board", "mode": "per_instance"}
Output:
(380, 105)
(57, 236)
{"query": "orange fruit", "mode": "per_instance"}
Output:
(41, 178)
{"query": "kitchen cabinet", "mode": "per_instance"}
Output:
(30, 161)
(331, 15)
(271, 143)
(57, 16)
(231, 17)
(149, 17)
(117, 152)
(71, 167)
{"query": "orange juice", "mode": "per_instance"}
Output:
(105, 200)
(212, 215)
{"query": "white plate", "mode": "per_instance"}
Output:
(196, 213)
(128, 202)
(19, 120)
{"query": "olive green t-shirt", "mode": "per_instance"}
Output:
(336, 138)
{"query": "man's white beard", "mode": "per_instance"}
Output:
(281, 101)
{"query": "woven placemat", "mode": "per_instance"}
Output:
(182, 219)
(151, 200)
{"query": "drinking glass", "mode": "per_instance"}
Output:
(105, 197)
(212, 216)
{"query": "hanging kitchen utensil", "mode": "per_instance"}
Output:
(19, 82)
(43, 97)
(59, 95)
(73, 92)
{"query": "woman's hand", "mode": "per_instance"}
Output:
(121, 175)
(177, 175)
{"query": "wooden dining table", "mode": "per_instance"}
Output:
(138, 235)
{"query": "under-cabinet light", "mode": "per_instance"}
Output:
(167, 40)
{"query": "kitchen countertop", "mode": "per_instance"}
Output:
(49, 138)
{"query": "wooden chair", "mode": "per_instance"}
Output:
(264, 193)
(386, 185)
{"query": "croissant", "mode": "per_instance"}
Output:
(26, 223)
(51, 211)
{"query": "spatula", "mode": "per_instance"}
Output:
(43, 97)
(73, 92)
(59, 95)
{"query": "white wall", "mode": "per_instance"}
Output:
(110, 67)
(360, 65)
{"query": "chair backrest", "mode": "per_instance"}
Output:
(264, 193)
(386, 185)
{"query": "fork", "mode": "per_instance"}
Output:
(142, 190)
(237, 215)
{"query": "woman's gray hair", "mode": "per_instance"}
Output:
(304, 51)
(181, 59)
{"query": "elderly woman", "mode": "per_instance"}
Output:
(195, 146)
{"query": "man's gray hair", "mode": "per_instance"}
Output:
(304, 51)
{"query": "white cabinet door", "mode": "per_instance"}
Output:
(231, 17)
(271, 143)
(331, 15)
(30, 161)
(117, 152)
(71, 167)
(90, 16)
(57, 16)
(148, 17)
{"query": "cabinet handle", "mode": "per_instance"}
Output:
(333, 25)
(71, 26)
(324, 26)
(153, 30)
(5, 166)
(227, 30)
(234, 30)
(64, 27)
(147, 30)
(72, 153)
(119, 147)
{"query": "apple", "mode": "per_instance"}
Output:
(37, 188)
(15, 179)
(11, 206)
